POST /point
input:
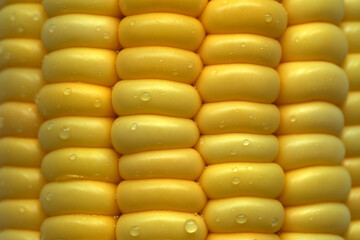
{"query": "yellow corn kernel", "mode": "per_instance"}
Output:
(174, 163)
(161, 29)
(153, 96)
(160, 194)
(266, 18)
(132, 134)
(158, 63)
(98, 164)
(79, 197)
(74, 99)
(240, 82)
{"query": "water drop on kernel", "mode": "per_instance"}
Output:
(48, 196)
(235, 169)
(235, 181)
(133, 127)
(36, 18)
(132, 23)
(268, 18)
(65, 133)
(106, 35)
(190, 65)
(50, 126)
(135, 231)
(274, 222)
(145, 96)
(22, 209)
(175, 72)
(73, 156)
(233, 152)
(217, 219)
(241, 218)
(67, 91)
(12, 16)
(52, 29)
(98, 28)
(246, 142)
(243, 45)
(222, 124)
(292, 119)
(21, 28)
(97, 103)
(190, 226)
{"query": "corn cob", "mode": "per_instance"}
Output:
(312, 85)
(154, 131)
(80, 165)
(238, 118)
(350, 108)
(20, 153)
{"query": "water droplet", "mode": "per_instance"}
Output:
(268, 18)
(133, 127)
(235, 169)
(97, 103)
(266, 126)
(297, 40)
(246, 142)
(161, 60)
(214, 72)
(22, 209)
(217, 219)
(67, 91)
(235, 181)
(50, 126)
(21, 28)
(241, 219)
(97, 172)
(221, 124)
(292, 119)
(243, 45)
(48, 196)
(12, 16)
(233, 152)
(190, 65)
(274, 222)
(145, 96)
(52, 29)
(1, 122)
(249, 168)
(36, 17)
(98, 28)
(311, 219)
(73, 156)
(132, 23)
(175, 72)
(106, 35)
(260, 218)
(65, 133)
(135, 231)
(162, 94)
(190, 226)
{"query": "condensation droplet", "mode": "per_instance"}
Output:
(97, 172)
(241, 218)
(21, 28)
(246, 142)
(73, 156)
(67, 91)
(132, 23)
(311, 219)
(266, 126)
(52, 29)
(190, 226)
(190, 65)
(249, 168)
(65, 133)
(175, 72)
(233, 152)
(12, 16)
(274, 222)
(297, 40)
(243, 45)
(22, 209)
(48, 196)
(50, 126)
(268, 18)
(36, 17)
(235, 169)
(292, 119)
(97, 103)
(260, 218)
(214, 72)
(106, 35)
(135, 231)
(133, 127)
(222, 124)
(98, 28)
(217, 219)
(145, 96)
(235, 181)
